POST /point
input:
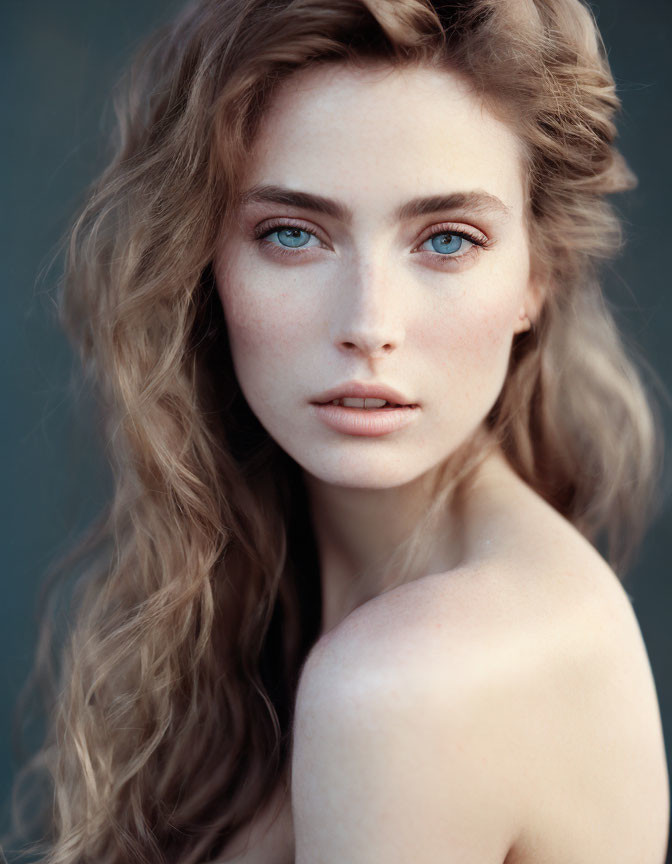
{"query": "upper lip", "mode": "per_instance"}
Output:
(362, 390)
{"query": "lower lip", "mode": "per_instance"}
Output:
(369, 422)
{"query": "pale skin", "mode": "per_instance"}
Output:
(396, 756)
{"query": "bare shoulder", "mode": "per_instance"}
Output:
(399, 750)
(593, 717)
(529, 675)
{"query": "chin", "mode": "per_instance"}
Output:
(362, 473)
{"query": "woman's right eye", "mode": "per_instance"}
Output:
(289, 237)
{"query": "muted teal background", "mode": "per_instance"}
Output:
(58, 62)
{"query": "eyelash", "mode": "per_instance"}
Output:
(478, 240)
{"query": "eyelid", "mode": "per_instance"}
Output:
(272, 224)
(479, 242)
(473, 235)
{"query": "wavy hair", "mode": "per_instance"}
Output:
(196, 592)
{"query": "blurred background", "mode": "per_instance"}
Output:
(59, 62)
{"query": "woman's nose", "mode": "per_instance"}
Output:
(367, 347)
(368, 316)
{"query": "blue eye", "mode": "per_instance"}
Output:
(289, 236)
(447, 244)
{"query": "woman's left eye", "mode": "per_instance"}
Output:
(453, 243)
(447, 244)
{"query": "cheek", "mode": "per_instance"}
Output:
(491, 331)
(468, 339)
(264, 321)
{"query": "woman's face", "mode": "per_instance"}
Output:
(425, 301)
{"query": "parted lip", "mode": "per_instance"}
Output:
(362, 390)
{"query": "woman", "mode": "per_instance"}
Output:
(370, 630)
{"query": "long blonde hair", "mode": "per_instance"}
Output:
(196, 594)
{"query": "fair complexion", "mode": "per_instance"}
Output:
(425, 299)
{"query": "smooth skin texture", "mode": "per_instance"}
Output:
(463, 722)
(371, 299)
(500, 706)
(504, 713)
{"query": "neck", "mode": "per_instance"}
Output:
(357, 529)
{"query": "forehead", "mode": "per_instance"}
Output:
(376, 133)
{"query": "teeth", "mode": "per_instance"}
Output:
(351, 402)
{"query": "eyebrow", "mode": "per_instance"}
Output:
(477, 201)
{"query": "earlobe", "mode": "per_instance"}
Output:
(524, 321)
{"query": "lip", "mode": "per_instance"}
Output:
(362, 390)
(367, 422)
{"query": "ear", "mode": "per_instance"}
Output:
(533, 299)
